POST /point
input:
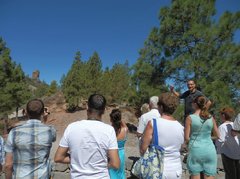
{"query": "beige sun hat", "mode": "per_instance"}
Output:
(236, 123)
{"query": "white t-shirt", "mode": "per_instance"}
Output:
(143, 121)
(227, 144)
(170, 137)
(88, 142)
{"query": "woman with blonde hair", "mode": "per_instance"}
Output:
(202, 153)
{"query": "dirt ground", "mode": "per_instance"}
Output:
(61, 120)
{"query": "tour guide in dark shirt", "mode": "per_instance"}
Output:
(189, 96)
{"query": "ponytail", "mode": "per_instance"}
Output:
(116, 117)
(204, 114)
(201, 102)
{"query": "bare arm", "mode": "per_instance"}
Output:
(174, 92)
(215, 129)
(147, 138)
(8, 165)
(62, 155)
(123, 124)
(114, 161)
(187, 129)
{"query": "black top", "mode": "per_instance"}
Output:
(188, 98)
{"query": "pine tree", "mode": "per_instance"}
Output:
(149, 72)
(191, 43)
(74, 84)
(119, 83)
(200, 47)
(13, 88)
(53, 87)
(94, 74)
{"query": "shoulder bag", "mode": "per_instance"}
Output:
(150, 165)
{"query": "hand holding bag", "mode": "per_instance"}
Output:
(150, 165)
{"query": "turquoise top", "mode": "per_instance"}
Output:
(201, 129)
(119, 173)
(202, 152)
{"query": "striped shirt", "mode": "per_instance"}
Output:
(30, 145)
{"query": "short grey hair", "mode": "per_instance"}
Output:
(154, 101)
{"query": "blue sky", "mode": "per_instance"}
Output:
(46, 34)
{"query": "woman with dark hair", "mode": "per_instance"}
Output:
(202, 153)
(121, 133)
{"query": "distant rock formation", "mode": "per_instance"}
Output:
(35, 75)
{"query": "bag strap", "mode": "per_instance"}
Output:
(189, 148)
(155, 132)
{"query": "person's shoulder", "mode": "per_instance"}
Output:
(175, 123)
(228, 124)
(76, 123)
(144, 115)
(221, 125)
(193, 117)
(19, 126)
(178, 124)
(107, 126)
(199, 92)
(149, 113)
(184, 94)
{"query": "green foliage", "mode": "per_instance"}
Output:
(179, 113)
(53, 88)
(93, 74)
(41, 91)
(149, 72)
(85, 78)
(74, 84)
(13, 87)
(189, 43)
(38, 88)
(115, 83)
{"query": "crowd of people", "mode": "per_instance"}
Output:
(95, 150)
